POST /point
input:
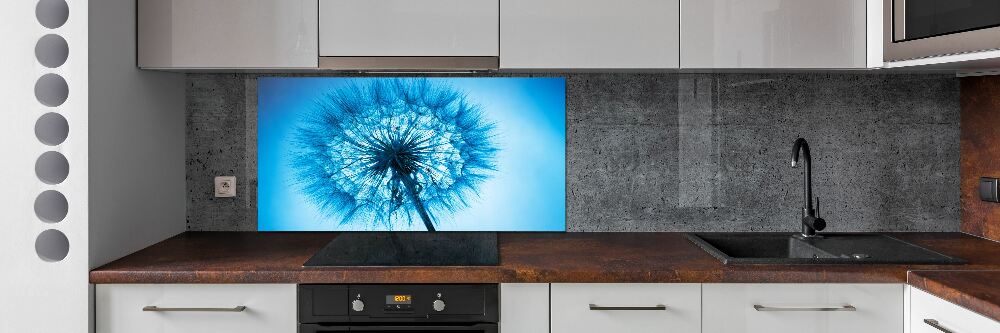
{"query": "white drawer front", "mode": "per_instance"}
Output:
(270, 308)
(947, 315)
(730, 308)
(571, 311)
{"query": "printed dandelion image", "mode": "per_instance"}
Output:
(392, 152)
(435, 154)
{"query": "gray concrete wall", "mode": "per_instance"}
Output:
(682, 152)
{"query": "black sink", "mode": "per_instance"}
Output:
(837, 248)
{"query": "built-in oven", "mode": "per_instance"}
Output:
(375, 308)
(916, 29)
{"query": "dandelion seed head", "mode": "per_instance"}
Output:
(379, 154)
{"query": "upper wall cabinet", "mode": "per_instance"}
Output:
(387, 34)
(589, 34)
(509, 34)
(780, 34)
(193, 34)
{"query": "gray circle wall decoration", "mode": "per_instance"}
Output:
(52, 168)
(51, 129)
(51, 206)
(52, 13)
(52, 245)
(51, 90)
(51, 51)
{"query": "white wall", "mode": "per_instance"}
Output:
(134, 159)
(37, 295)
(137, 185)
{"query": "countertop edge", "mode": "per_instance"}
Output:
(936, 282)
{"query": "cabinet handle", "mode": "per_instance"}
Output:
(935, 324)
(596, 307)
(159, 309)
(759, 307)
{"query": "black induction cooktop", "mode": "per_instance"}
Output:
(409, 249)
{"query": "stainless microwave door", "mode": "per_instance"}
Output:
(915, 29)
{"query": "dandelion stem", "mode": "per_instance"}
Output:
(411, 190)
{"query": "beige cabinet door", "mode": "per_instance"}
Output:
(589, 34)
(220, 34)
(406, 28)
(776, 34)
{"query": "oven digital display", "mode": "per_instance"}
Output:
(398, 299)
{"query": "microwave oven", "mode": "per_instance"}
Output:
(915, 29)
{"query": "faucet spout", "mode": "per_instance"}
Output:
(810, 222)
(802, 146)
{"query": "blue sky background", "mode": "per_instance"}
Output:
(527, 193)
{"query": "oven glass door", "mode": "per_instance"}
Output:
(916, 19)
(476, 328)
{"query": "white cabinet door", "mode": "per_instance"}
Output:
(524, 308)
(927, 310)
(406, 28)
(227, 34)
(774, 34)
(270, 308)
(634, 308)
(589, 34)
(780, 308)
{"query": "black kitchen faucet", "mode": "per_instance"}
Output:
(810, 221)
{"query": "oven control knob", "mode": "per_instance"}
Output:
(358, 305)
(438, 305)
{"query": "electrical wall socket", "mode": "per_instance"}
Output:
(225, 187)
(988, 189)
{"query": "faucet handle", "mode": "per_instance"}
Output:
(817, 206)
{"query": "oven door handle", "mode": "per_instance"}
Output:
(484, 328)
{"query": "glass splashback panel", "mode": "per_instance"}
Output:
(411, 154)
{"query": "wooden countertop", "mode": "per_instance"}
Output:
(978, 291)
(249, 257)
